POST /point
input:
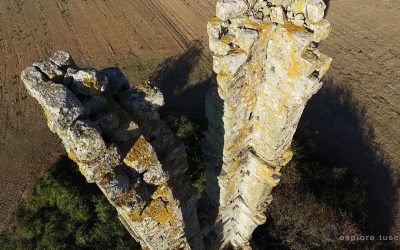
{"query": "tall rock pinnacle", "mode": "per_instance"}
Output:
(268, 66)
(115, 135)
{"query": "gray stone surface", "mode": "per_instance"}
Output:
(264, 80)
(60, 105)
(227, 9)
(105, 127)
(49, 69)
(88, 82)
(63, 60)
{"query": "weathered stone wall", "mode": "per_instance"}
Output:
(115, 135)
(268, 66)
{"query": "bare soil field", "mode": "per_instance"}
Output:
(355, 117)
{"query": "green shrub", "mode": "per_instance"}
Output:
(314, 204)
(192, 135)
(62, 211)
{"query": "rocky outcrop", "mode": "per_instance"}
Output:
(115, 135)
(268, 66)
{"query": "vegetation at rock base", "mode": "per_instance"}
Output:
(315, 202)
(191, 134)
(62, 211)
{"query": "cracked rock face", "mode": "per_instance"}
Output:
(268, 66)
(114, 134)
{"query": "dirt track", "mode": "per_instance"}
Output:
(139, 34)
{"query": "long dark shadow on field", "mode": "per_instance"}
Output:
(173, 78)
(342, 135)
(335, 123)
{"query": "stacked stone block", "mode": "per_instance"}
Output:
(268, 65)
(115, 135)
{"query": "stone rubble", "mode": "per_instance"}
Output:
(268, 66)
(115, 135)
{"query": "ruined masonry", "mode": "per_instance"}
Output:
(115, 135)
(268, 65)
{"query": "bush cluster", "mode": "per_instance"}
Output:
(62, 211)
(191, 134)
(315, 202)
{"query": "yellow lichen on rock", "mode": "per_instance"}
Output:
(98, 116)
(161, 207)
(294, 70)
(141, 156)
(136, 216)
(92, 84)
(262, 97)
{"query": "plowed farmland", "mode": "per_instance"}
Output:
(355, 117)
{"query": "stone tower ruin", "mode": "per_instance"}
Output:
(268, 65)
(115, 135)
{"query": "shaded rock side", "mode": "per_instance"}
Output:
(268, 66)
(115, 135)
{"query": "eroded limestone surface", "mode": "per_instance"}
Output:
(268, 66)
(115, 135)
